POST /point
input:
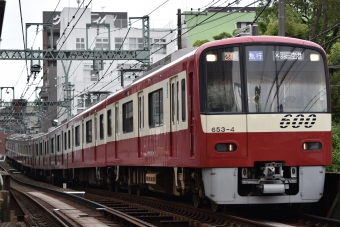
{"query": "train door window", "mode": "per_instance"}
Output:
(95, 128)
(45, 147)
(101, 126)
(72, 139)
(183, 99)
(58, 143)
(177, 102)
(89, 131)
(109, 123)
(82, 132)
(141, 112)
(65, 141)
(128, 117)
(52, 145)
(117, 118)
(36, 149)
(77, 136)
(173, 103)
(156, 108)
(40, 148)
(69, 139)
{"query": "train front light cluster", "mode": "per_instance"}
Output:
(225, 147)
(312, 146)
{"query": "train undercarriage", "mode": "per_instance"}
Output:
(266, 182)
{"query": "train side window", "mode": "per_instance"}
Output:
(156, 108)
(52, 145)
(58, 143)
(89, 131)
(101, 126)
(109, 123)
(128, 117)
(117, 118)
(65, 141)
(77, 136)
(69, 139)
(45, 148)
(183, 99)
(40, 148)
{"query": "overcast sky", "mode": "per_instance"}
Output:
(14, 74)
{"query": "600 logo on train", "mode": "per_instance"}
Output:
(298, 121)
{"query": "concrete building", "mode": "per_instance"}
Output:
(88, 83)
(213, 21)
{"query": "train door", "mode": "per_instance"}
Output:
(174, 116)
(140, 122)
(116, 128)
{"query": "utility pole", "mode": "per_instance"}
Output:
(179, 27)
(282, 30)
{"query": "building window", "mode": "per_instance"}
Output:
(156, 108)
(159, 46)
(89, 131)
(77, 136)
(80, 44)
(80, 103)
(102, 44)
(109, 123)
(128, 117)
(129, 43)
(101, 126)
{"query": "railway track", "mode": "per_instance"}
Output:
(242, 215)
(155, 210)
(151, 211)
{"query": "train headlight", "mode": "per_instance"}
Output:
(312, 146)
(314, 57)
(211, 57)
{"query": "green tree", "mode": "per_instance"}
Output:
(335, 167)
(223, 35)
(200, 42)
(268, 21)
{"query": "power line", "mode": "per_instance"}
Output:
(23, 38)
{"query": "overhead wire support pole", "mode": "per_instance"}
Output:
(67, 88)
(282, 30)
(146, 39)
(179, 27)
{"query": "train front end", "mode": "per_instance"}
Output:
(266, 121)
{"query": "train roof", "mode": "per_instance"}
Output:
(258, 39)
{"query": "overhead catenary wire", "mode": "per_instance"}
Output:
(58, 42)
(23, 35)
(160, 48)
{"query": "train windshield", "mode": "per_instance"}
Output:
(285, 79)
(221, 81)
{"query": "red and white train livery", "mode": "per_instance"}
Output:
(238, 121)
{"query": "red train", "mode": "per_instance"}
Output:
(238, 121)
